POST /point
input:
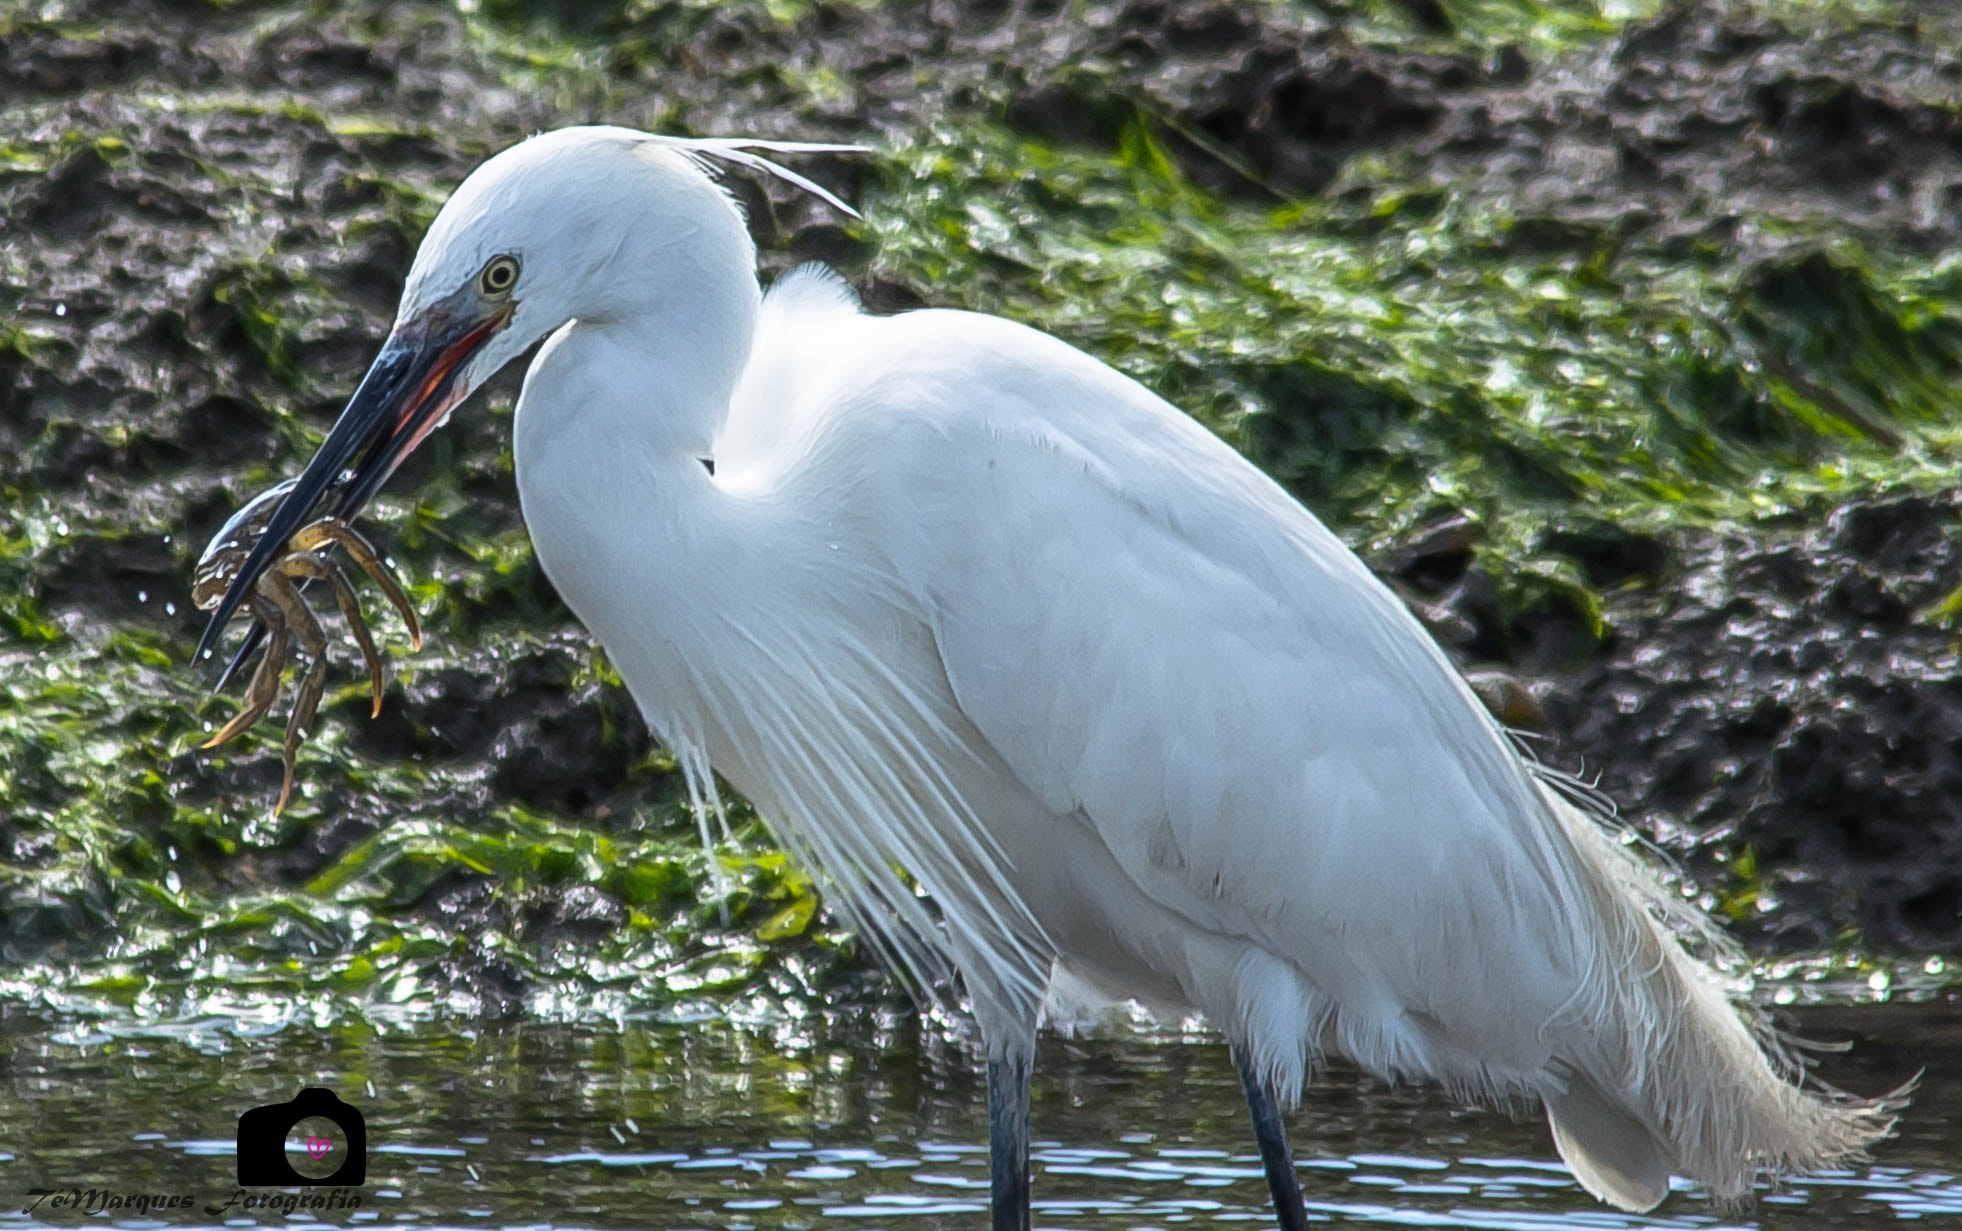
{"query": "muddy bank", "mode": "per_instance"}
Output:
(1780, 710)
(1787, 699)
(1660, 311)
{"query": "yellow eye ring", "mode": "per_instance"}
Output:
(499, 276)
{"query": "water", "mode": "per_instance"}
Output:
(852, 1126)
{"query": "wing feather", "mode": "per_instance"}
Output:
(1157, 639)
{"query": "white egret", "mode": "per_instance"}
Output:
(940, 592)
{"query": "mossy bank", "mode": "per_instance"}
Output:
(1623, 339)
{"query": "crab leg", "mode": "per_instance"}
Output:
(283, 617)
(279, 589)
(314, 567)
(264, 688)
(362, 552)
(305, 702)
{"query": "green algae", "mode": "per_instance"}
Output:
(1549, 27)
(1402, 347)
(1394, 354)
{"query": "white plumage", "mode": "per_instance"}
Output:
(941, 592)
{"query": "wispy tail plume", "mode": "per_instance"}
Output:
(1674, 1077)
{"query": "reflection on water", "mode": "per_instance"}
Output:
(854, 1126)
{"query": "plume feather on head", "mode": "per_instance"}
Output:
(710, 153)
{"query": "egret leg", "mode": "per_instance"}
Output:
(1008, 1139)
(1007, 1015)
(1276, 1159)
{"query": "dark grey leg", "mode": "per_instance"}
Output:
(1275, 1157)
(1008, 1140)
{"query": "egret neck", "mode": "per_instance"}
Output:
(656, 358)
(619, 411)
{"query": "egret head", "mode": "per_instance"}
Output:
(588, 224)
(591, 225)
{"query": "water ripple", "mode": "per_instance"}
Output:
(558, 1128)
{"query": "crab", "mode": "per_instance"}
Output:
(277, 603)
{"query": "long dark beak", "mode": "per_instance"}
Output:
(411, 386)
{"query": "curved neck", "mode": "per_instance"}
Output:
(657, 381)
(661, 303)
(613, 420)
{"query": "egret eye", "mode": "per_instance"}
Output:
(499, 276)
